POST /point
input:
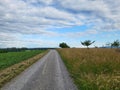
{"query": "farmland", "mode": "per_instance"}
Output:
(13, 63)
(11, 58)
(93, 69)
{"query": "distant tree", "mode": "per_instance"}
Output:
(63, 45)
(87, 43)
(3, 51)
(23, 48)
(116, 44)
(112, 45)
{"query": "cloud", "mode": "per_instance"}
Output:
(22, 17)
(107, 11)
(80, 34)
(28, 17)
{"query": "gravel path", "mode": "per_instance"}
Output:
(48, 73)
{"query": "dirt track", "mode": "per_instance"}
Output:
(49, 73)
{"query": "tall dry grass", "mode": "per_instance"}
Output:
(93, 69)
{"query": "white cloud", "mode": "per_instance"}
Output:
(106, 10)
(26, 17)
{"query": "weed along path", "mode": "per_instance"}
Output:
(48, 73)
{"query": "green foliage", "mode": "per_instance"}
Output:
(87, 43)
(3, 51)
(63, 45)
(116, 44)
(11, 58)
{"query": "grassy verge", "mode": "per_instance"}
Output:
(93, 69)
(11, 70)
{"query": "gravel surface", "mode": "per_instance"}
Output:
(48, 73)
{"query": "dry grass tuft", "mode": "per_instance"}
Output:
(93, 69)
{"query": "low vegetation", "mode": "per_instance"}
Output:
(11, 58)
(93, 69)
(13, 63)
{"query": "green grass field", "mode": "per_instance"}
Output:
(11, 58)
(93, 69)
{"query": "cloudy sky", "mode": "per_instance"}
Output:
(46, 23)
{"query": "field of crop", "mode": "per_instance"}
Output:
(11, 58)
(93, 69)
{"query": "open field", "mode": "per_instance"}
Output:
(48, 73)
(11, 58)
(93, 69)
(13, 63)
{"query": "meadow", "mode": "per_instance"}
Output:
(13, 63)
(93, 69)
(11, 58)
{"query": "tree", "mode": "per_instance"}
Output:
(87, 43)
(63, 45)
(116, 44)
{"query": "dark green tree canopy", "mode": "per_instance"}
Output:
(116, 43)
(87, 43)
(63, 45)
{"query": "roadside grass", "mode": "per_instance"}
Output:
(18, 62)
(93, 69)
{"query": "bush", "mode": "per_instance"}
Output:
(63, 45)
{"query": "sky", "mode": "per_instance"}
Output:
(46, 23)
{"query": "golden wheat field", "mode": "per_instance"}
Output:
(93, 69)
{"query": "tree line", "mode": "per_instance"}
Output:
(87, 43)
(14, 49)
